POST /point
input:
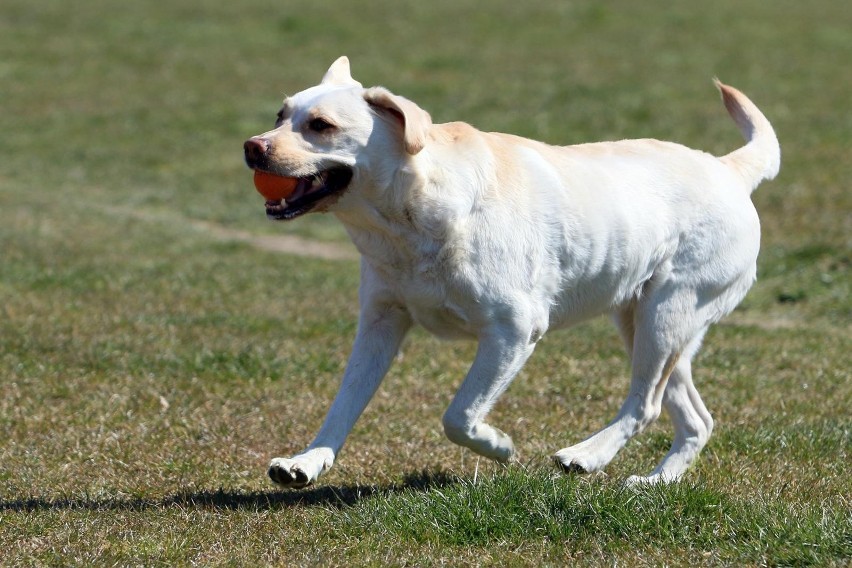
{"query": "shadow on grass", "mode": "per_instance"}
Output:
(327, 496)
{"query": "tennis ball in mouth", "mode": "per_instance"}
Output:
(274, 188)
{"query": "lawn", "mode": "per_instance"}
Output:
(160, 340)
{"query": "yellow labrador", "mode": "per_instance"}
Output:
(500, 239)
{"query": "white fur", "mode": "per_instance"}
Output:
(500, 239)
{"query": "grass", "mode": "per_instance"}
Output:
(600, 520)
(152, 360)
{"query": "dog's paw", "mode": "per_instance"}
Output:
(570, 464)
(573, 460)
(302, 470)
(503, 448)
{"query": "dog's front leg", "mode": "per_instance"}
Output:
(381, 329)
(500, 355)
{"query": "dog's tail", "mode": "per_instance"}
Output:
(760, 158)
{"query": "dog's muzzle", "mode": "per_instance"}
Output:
(311, 191)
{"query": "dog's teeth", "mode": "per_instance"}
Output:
(318, 181)
(273, 206)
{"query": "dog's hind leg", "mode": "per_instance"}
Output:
(692, 422)
(662, 324)
(500, 355)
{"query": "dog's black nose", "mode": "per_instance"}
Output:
(255, 149)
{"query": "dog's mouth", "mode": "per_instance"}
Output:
(310, 192)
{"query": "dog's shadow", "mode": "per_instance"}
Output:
(325, 496)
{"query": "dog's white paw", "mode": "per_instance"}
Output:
(593, 453)
(578, 459)
(572, 463)
(302, 470)
(501, 449)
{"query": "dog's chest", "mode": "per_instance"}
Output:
(434, 306)
(437, 301)
(431, 284)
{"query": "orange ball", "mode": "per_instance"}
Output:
(274, 188)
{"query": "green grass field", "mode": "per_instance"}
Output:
(157, 348)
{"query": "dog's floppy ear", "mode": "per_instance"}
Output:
(339, 73)
(415, 121)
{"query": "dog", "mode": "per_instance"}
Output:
(499, 239)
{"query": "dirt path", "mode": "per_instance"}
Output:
(287, 244)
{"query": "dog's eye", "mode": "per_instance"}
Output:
(319, 125)
(279, 118)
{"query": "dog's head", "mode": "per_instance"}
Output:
(341, 141)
